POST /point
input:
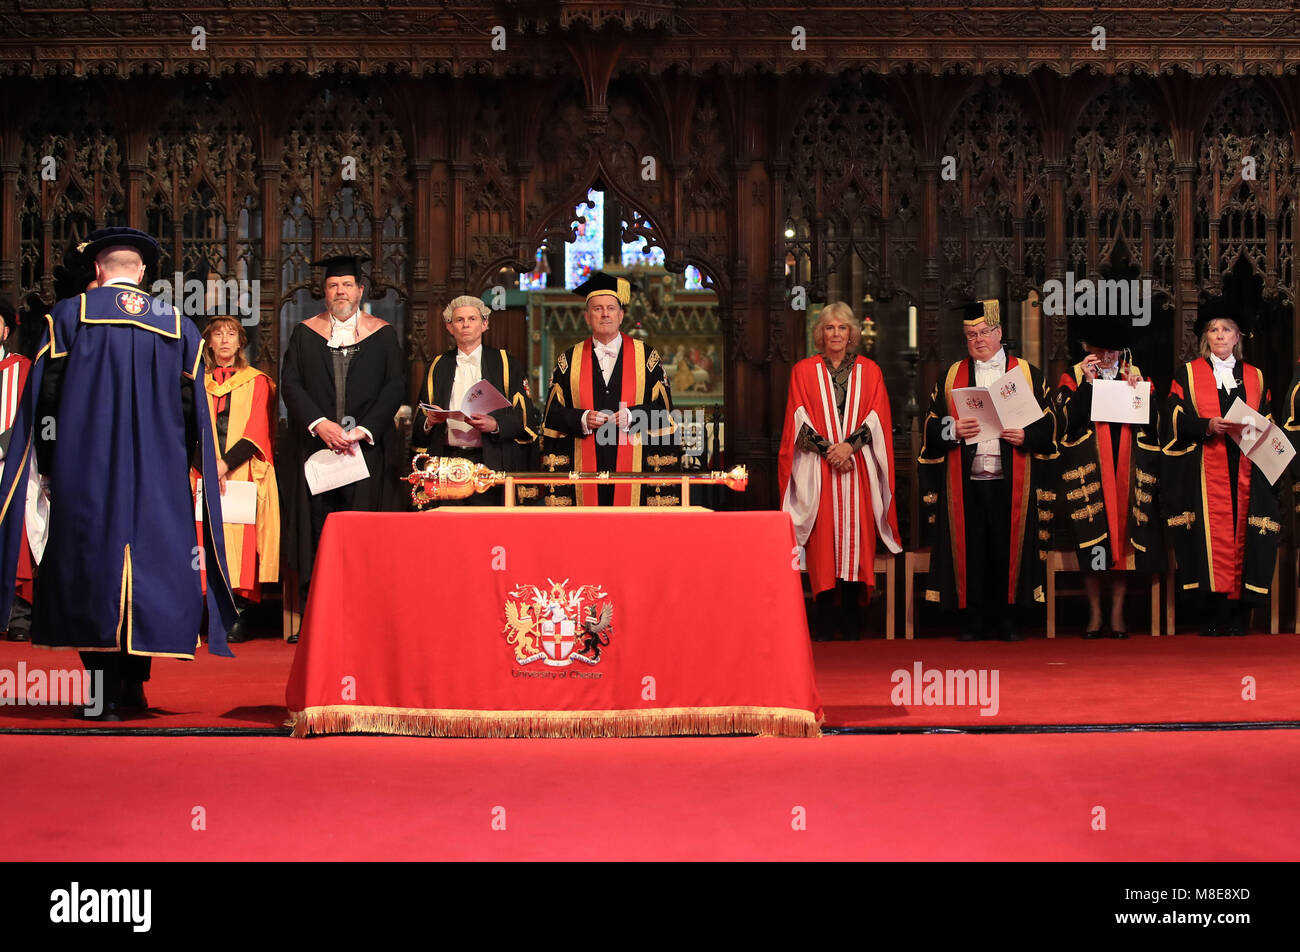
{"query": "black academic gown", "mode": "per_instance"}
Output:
(506, 449)
(375, 382)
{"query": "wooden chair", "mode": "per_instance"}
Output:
(884, 565)
(913, 563)
(1069, 562)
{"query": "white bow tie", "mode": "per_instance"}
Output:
(989, 364)
(465, 360)
(604, 350)
(1223, 371)
(343, 333)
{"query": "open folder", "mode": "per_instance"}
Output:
(1008, 403)
(480, 398)
(1263, 443)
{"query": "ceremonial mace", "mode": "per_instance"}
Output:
(435, 478)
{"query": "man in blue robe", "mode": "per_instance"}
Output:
(110, 409)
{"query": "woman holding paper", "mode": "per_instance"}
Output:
(1108, 469)
(836, 467)
(500, 439)
(241, 400)
(1223, 523)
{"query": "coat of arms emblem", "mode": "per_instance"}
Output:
(132, 302)
(557, 626)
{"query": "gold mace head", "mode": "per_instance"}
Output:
(434, 478)
(736, 478)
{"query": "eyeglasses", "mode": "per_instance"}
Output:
(988, 331)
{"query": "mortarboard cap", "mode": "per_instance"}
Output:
(104, 238)
(1216, 308)
(602, 283)
(342, 266)
(1107, 332)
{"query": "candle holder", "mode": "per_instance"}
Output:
(911, 359)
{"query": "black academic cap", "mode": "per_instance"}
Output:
(105, 238)
(981, 312)
(1105, 331)
(1214, 309)
(9, 312)
(73, 274)
(602, 283)
(342, 266)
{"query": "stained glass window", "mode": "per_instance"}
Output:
(636, 253)
(535, 280)
(694, 278)
(585, 253)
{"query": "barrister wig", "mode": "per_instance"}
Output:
(209, 357)
(465, 300)
(838, 311)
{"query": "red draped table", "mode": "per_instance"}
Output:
(545, 623)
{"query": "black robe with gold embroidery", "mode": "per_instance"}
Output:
(1107, 479)
(506, 449)
(651, 443)
(945, 478)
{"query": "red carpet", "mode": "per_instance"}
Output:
(1227, 795)
(1184, 679)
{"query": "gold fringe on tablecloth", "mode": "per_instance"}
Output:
(660, 722)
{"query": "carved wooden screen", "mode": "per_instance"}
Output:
(345, 190)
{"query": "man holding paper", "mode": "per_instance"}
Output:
(476, 402)
(1110, 465)
(1224, 518)
(343, 380)
(985, 560)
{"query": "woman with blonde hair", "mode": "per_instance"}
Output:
(836, 467)
(241, 400)
(1224, 523)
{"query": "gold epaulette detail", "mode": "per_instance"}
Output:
(558, 501)
(527, 492)
(653, 362)
(662, 501)
(1140, 496)
(1186, 519)
(1083, 492)
(1081, 472)
(1087, 512)
(657, 461)
(1045, 515)
(554, 461)
(1264, 524)
(931, 595)
(563, 363)
(930, 499)
(1145, 479)
(1044, 535)
(1046, 495)
(1139, 516)
(1038, 593)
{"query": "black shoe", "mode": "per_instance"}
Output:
(1211, 631)
(1095, 633)
(969, 636)
(236, 635)
(1012, 635)
(19, 634)
(1235, 630)
(1118, 633)
(109, 713)
(292, 639)
(133, 699)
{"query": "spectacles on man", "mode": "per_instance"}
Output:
(981, 334)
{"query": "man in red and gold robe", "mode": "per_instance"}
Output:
(987, 559)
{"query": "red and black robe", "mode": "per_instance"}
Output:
(1108, 476)
(945, 479)
(1221, 514)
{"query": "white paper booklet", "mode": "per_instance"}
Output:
(481, 398)
(328, 470)
(1114, 401)
(1264, 444)
(238, 502)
